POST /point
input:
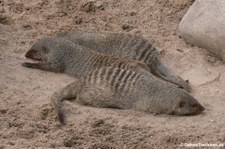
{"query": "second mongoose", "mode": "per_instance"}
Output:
(60, 55)
(111, 87)
(124, 45)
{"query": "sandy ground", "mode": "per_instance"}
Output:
(26, 117)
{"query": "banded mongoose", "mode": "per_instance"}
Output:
(127, 46)
(60, 55)
(111, 87)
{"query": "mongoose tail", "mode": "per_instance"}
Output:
(159, 70)
(68, 92)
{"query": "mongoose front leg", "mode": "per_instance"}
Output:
(42, 66)
(66, 93)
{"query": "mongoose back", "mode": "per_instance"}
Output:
(111, 87)
(60, 55)
(127, 46)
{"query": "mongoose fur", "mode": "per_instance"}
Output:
(127, 46)
(111, 87)
(60, 55)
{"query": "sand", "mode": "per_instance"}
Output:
(26, 117)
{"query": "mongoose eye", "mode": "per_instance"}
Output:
(45, 49)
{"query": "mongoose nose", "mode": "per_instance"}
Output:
(199, 109)
(202, 108)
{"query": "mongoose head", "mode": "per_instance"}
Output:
(186, 105)
(39, 51)
(178, 102)
(163, 97)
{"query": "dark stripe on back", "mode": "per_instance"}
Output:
(118, 82)
(139, 45)
(104, 60)
(120, 64)
(102, 73)
(127, 86)
(132, 83)
(124, 81)
(145, 51)
(135, 79)
(94, 76)
(95, 60)
(115, 74)
(88, 78)
(147, 56)
(110, 72)
(153, 56)
(123, 66)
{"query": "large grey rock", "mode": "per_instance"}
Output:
(204, 25)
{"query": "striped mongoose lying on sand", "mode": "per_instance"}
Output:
(111, 87)
(61, 55)
(126, 46)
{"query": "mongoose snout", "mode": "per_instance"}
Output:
(31, 55)
(38, 52)
(188, 107)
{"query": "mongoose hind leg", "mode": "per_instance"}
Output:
(69, 92)
(162, 72)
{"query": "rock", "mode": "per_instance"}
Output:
(203, 25)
